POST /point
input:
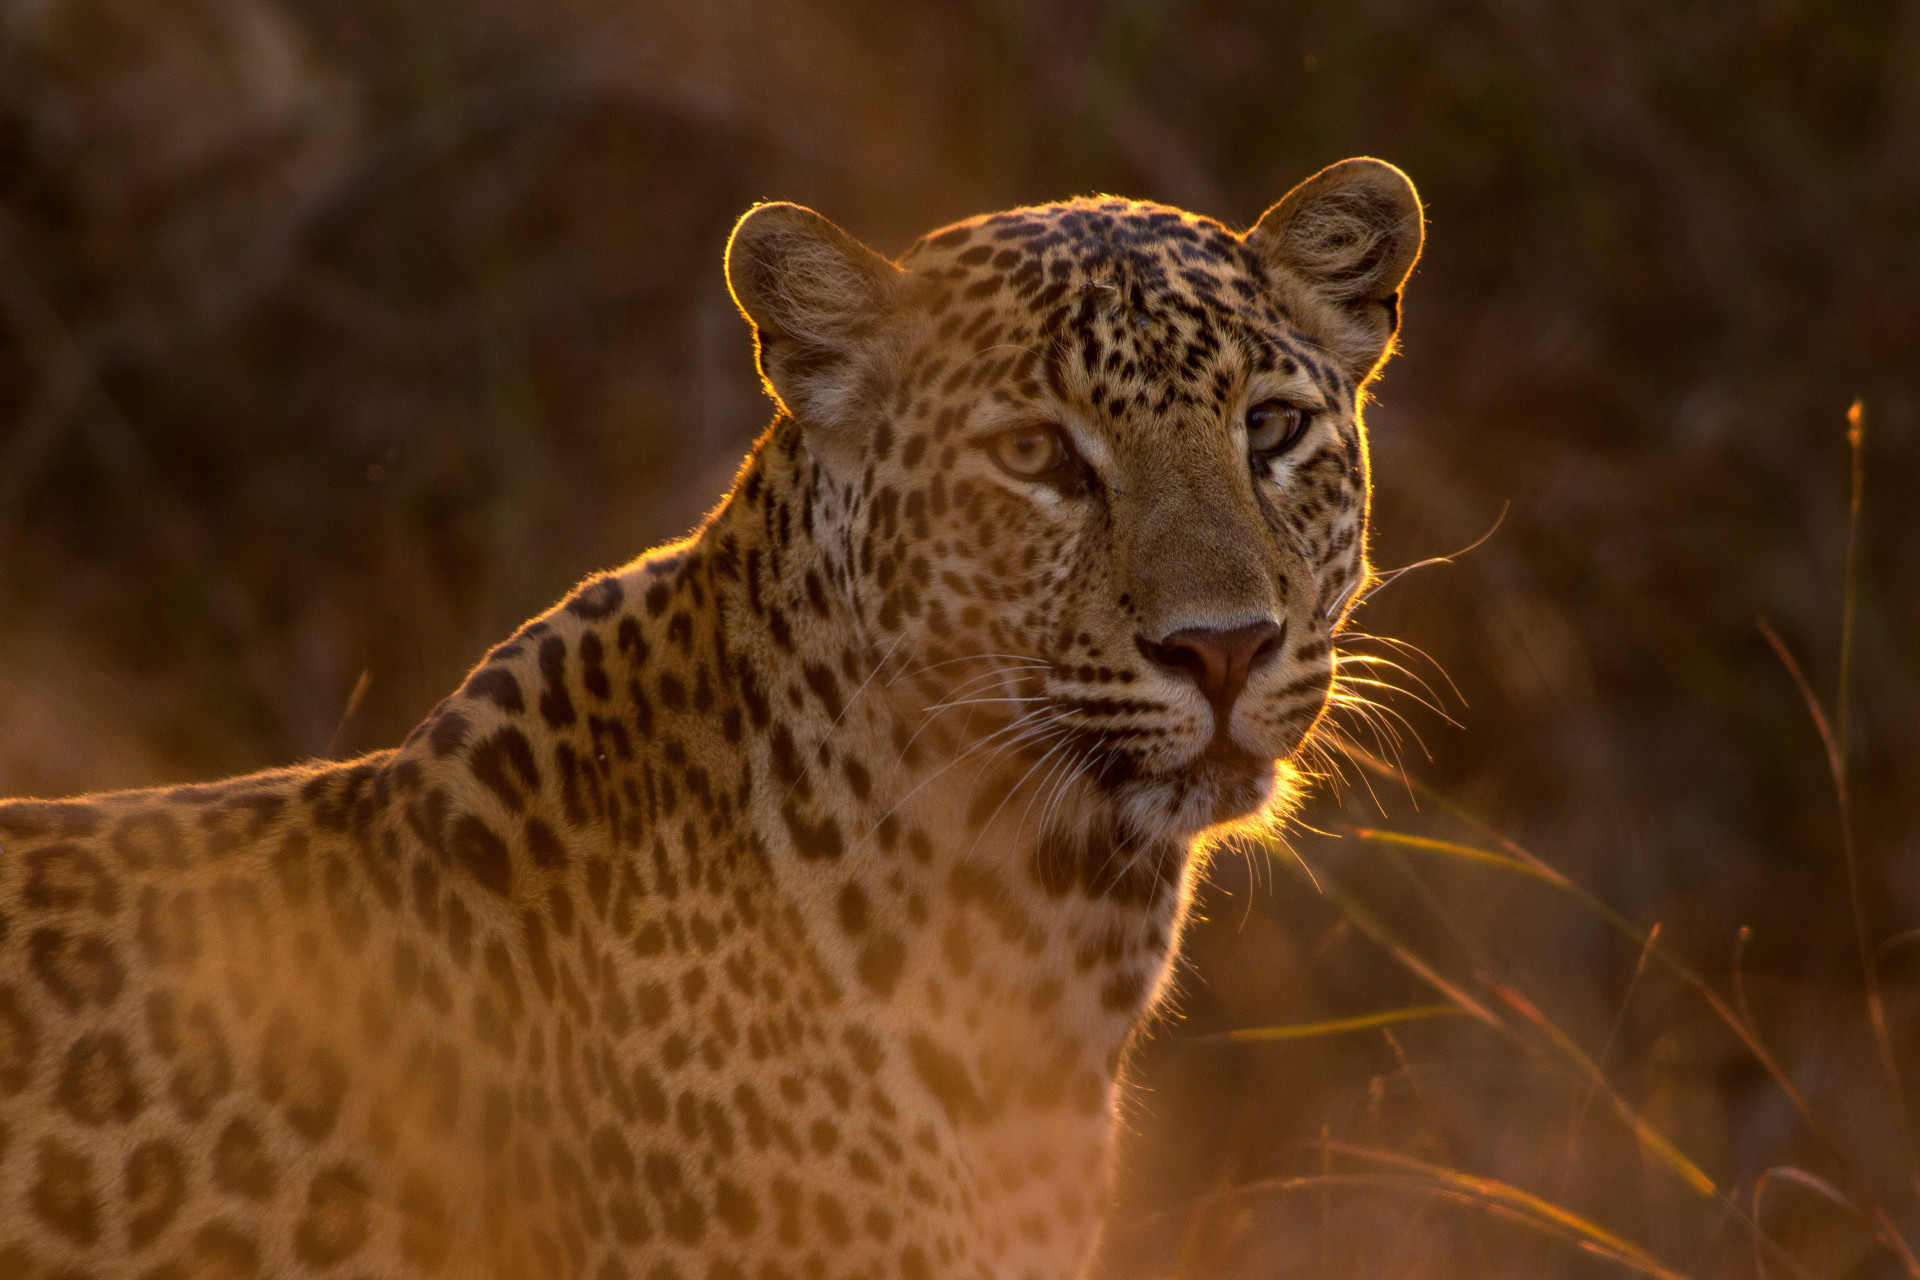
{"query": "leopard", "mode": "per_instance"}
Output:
(782, 905)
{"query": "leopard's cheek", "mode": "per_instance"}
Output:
(999, 560)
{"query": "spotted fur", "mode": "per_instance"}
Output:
(780, 905)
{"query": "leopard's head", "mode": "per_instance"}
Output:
(1100, 465)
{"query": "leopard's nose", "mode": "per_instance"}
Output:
(1218, 662)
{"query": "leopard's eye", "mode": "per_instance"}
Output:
(1273, 425)
(1029, 452)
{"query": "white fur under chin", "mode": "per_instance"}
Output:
(1183, 809)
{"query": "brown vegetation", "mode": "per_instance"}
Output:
(336, 338)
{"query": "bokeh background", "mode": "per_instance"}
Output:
(338, 336)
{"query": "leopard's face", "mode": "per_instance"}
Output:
(1106, 475)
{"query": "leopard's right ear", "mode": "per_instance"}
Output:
(1351, 234)
(814, 295)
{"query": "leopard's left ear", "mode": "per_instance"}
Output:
(814, 295)
(1350, 234)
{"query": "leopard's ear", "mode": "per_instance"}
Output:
(1350, 234)
(814, 295)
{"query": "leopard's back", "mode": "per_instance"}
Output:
(188, 1021)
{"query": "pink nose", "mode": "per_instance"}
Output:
(1218, 662)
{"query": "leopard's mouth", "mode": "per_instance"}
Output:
(1221, 783)
(1239, 781)
(1226, 757)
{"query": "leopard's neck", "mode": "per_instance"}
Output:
(973, 892)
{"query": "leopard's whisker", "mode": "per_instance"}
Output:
(974, 702)
(1387, 715)
(1341, 742)
(1346, 683)
(1374, 661)
(986, 771)
(1048, 788)
(1386, 741)
(1408, 647)
(814, 757)
(1015, 658)
(1078, 770)
(1382, 580)
(1366, 712)
(960, 757)
(1012, 791)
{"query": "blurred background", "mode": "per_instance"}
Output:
(339, 336)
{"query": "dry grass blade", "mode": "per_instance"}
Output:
(354, 702)
(1336, 1026)
(1836, 765)
(1377, 929)
(1425, 844)
(1883, 1227)
(1516, 851)
(1644, 1133)
(1570, 1158)
(1856, 448)
(1489, 1195)
(1797, 1177)
(1570, 1054)
(1835, 744)
(1493, 1193)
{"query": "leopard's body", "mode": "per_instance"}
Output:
(780, 905)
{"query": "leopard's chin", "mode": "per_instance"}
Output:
(1221, 785)
(1238, 782)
